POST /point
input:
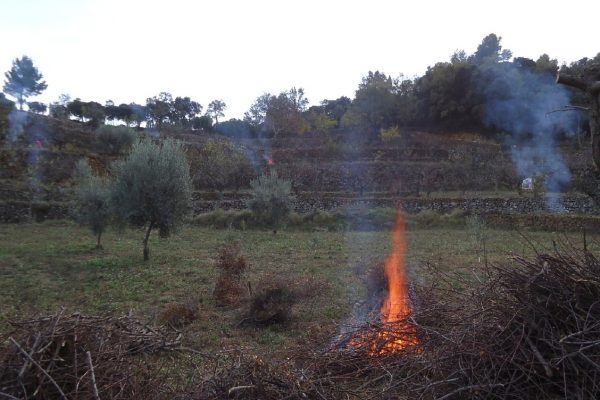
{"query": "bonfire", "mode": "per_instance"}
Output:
(395, 332)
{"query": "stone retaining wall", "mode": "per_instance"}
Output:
(524, 205)
(20, 211)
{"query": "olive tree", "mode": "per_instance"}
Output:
(91, 200)
(152, 187)
(271, 200)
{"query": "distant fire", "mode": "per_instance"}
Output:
(270, 162)
(396, 333)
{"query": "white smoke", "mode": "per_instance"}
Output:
(521, 101)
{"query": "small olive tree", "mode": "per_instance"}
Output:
(91, 200)
(271, 200)
(152, 187)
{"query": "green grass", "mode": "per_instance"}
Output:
(47, 266)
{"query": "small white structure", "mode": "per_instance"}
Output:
(527, 184)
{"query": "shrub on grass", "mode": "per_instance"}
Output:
(330, 220)
(478, 230)
(427, 218)
(224, 219)
(271, 200)
(271, 305)
(456, 217)
(91, 206)
(295, 219)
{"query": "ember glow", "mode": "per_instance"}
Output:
(396, 333)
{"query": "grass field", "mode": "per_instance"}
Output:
(47, 266)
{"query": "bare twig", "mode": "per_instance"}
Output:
(568, 108)
(42, 370)
(92, 375)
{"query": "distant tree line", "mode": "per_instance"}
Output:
(450, 96)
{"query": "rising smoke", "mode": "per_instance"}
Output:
(521, 102)
(17, 120)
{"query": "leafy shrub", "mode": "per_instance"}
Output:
(427, 217)
(388, 134)
(271, 200)
(383, 217)
(91, 200)
(330, 220)
(223, 219)
(456, 217)
(295, 219)
(115, 139)
(220, 164)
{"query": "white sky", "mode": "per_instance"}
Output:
(235, 50)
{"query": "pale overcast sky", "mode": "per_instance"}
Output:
(235, 50)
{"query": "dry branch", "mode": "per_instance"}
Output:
(530, 330)
(49, 357)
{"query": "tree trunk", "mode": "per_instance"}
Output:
(98, 245)
(146, 249)
(595, 128)
(591, 86)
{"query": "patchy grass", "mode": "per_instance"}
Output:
(54, 264)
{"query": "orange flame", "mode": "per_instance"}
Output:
(270, 162)
(397, 333)
(396, 307)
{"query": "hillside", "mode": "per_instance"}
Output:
(439, 171)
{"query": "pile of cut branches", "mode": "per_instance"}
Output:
(83, 357)
(529, 328)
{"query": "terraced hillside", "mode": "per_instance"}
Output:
(424, 170)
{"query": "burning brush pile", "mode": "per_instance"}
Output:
(526, 329)
(83, 357)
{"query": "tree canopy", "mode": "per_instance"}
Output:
(152, 187)
(23, 80)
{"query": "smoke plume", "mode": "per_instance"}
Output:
(17, 120)
(521, 102)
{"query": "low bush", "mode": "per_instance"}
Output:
(225, 219)
(381, 218)
(271, 305)
(271, 201)
(320, 219)
(115, 139)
